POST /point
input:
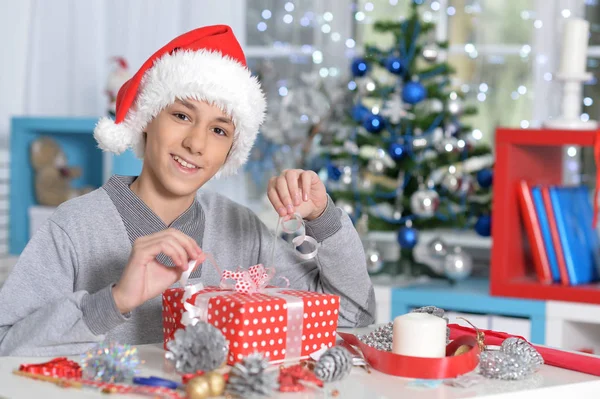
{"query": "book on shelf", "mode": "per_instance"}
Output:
(558, 221)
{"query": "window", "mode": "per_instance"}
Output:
(506, 53)
(490, 49)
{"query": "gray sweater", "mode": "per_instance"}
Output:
(58, 301)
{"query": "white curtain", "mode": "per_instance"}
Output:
(70, 43)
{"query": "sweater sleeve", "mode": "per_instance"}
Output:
(339, 268)
(40, 314)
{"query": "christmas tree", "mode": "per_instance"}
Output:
(410, 162)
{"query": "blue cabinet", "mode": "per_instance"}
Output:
(75, 136)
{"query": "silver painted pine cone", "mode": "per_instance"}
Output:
(333, 365)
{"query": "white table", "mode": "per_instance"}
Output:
(358, 385)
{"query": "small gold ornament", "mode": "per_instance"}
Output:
(216, 381)
(462, 349)
(198, 388)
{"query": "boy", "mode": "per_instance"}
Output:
(96, 269)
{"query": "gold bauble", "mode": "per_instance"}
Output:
(198, 388)
(216, 381)
(462, 349)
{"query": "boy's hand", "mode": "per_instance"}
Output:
(297, 190)
(145, 278)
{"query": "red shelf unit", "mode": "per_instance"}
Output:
(534, 155)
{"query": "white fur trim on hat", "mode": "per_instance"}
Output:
(201, 75)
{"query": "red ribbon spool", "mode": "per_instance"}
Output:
(420, 367)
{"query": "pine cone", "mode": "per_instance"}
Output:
(334, 365)
(524, 350)
(200, 347)
(249, 378)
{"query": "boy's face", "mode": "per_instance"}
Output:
(186, 144)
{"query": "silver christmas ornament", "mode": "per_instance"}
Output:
(435, 105)
(418, 143)
(467, 185)
(455, 106)
(346, 177)
(374, 259)
(429, 154)
(430, 53)
(376, 166)
(458, 265)
(424, 202)
(437, 248)
(447, 144)
(345, 206)
(451, 182)
(366, 85)
(366, 185)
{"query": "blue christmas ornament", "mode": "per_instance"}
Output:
(394, 65)
(397, 151)
(483, 226)
(359, 67)
(359, 112)
(485, 177)
(374, 123)
(413, 92)
(333, 172)
(408, 237)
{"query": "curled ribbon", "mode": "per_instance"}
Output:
(57, 367)
(298, 240)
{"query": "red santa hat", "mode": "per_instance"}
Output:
(206, 64)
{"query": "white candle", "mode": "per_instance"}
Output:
(574, 47)
(419, 335)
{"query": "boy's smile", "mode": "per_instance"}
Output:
(184, 165)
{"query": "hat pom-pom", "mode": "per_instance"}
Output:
(113, 137)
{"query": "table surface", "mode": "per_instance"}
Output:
(359, 384)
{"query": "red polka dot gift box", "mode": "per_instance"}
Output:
(281, 323)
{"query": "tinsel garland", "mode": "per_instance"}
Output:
(110, 362)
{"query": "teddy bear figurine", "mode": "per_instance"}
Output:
(52, 175)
